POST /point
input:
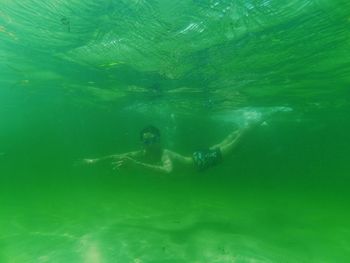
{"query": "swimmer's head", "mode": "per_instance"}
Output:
(150, 136)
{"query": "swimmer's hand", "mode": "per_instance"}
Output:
(123, 162)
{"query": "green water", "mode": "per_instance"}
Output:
(79, 79)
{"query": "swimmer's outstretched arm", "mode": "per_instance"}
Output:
(113, 156)
(165, 167)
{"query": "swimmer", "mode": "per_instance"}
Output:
(153, 157)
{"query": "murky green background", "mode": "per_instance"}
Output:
(79, 79)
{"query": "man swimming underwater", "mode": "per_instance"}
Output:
(153, 157)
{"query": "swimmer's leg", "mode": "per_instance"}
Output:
(231, 141)
(231, 137)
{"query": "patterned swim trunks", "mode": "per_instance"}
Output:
(204, 159)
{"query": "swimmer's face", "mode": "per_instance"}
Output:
(150, 140)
